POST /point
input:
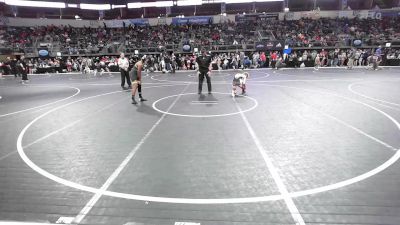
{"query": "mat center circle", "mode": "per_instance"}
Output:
(205, 105)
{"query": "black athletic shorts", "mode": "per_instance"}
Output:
(134, 75)
(236, 82)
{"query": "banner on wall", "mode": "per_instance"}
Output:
(93, 23)
(364, 14)
(345, 14)
(310, 15)
(193, 20)
(390, 13)
(139, 22)
(268, 16)
(256, 17)
(375, 15)
(120, 23)
(114, 23)
(162, 21)
(270, 45)
(289, 16)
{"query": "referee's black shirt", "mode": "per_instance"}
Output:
(204, 63)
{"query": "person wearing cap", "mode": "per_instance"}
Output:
(204, 70)
(123, 64)
(136, 76)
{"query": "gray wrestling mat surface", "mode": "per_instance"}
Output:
(303, 147)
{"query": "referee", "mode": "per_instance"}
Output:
(123, 64)
(204, 70)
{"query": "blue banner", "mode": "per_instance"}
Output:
(139, 22)
(270, 45)
(193, 20)
(395, 13)
(381, 14)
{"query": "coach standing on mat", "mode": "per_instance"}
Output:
(204, 70)
(123, 64)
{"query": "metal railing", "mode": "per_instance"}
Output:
(112, 49)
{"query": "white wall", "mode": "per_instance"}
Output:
(221, 19)
(308, 14)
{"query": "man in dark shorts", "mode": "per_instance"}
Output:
(136, 77)
(204, 70)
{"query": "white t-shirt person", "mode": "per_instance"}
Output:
(123, 63)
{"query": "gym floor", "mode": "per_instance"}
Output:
(302, 147)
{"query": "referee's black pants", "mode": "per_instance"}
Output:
(125, 75)
(201, 79)
(24, 75)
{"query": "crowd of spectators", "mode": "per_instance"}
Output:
(66, 39)
(220, 61)
(299, 33)
(10, 65)
(332, 58)
(305, 33)
(275, 59)
(334, 32)
(228, 33)
(305, 58)
(71, 40)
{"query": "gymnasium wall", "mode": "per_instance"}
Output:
(363, 14)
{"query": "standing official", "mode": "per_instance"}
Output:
(204, 70)
(23, 69)
(123, 64)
